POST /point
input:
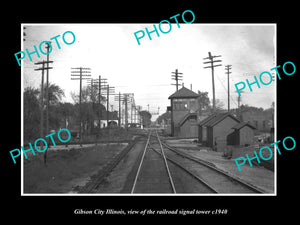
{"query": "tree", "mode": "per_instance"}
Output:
(31, 113)
(203, 101)
(164, 117)
(55, 94)
(66, 112)
(219, 105)
(146, 118)
(90, 108)
(250, 108)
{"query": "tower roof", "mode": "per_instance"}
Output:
(184, 93)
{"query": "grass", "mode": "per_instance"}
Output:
(65, 166)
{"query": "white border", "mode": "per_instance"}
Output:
(120, 194)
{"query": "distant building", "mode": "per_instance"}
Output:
(184, 106)
(261, 120)
(113, 119)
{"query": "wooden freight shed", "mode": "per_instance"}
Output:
(184, 106)
(243, 134)
(214, 129)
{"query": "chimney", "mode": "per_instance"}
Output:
(191, 87)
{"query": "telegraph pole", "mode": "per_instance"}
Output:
(101, 81)
(119, 98)
(119, 121)
(110, 91)
(228, 67)
(101, 84)
(212, 61)
(138, 108)
(126, 111)
(177, 78)
(83, 72)
(47, 91)
(42, 101)
(126, 99)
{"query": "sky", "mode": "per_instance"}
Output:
(111, 50)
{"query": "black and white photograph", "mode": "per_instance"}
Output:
(109, 111)
(136, 112)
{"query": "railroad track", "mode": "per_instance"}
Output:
(207, 177)
(153, 173)
(161, 168)
(157, 173)
(219, 180)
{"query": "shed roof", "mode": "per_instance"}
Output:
(243, 124)
(184, 93)
(215, 118)
(186, 117)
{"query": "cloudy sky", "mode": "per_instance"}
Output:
(111, 50)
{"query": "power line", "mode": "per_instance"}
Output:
(222, 83)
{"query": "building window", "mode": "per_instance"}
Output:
(180, 104)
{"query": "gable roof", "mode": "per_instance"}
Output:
(207, 119)
(243, 124)
(216, 118)
(184, 93)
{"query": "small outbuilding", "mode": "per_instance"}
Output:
(243, 134)
(214, 129)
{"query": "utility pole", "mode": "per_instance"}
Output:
(211, 61)
(132, 107)
(102, 82)
(83, 72)
(177, 78)
(119, 98)
(126, 111)
(228, 67)
(47, 91)
(109, 91)
(93, 95)
(42, 101)
(127, 97)
(139, 108)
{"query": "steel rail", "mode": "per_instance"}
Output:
(201, 180)
(166, 164)
(207, 164)
(141, 162)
